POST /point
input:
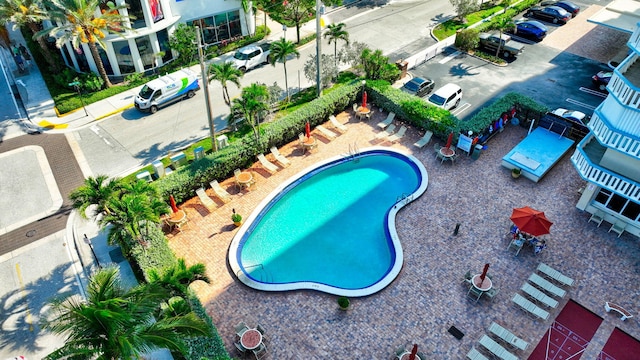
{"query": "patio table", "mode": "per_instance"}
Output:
(485, 285)
(251, 339)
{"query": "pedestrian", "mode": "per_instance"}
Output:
(541, 245)
(20, 62)
(16, 50)
(25, 54)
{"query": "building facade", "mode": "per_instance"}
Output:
(609, 156)
(147, 46)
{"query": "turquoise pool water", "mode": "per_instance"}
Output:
(329, 228)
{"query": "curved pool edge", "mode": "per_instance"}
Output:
(305, 285)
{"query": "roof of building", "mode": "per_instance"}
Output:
(622, 15)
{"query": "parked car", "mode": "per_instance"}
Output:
(447, 97)
(573, 115)
(419, 86)
(531, 29)
(553, 14)
(601, 79)
(570, 7)
(507, 47)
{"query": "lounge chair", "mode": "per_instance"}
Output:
(618, 227)
(241, 328)
(206, 200)
(474, 354)
(386, 132)
(424, 140)
(326, 132)
(531, 308)
(221, 193)
(507, 336)
(337, 124)
(555, 274)
(267, 164)
(384, 123)
(538, 295)
(355, 108)
(496, 348)
(283, 161)
(399, 135)
(545, 285)
(597, 217)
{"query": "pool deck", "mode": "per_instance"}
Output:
(427, 297)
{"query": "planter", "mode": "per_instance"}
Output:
(343, 303)
(237, 223)
(515, 173)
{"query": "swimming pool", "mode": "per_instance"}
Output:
(331, 227)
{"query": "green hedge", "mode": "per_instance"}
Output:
(483, 118)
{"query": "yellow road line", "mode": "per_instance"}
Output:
(24, 295)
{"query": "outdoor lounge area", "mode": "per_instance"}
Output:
(309, 324)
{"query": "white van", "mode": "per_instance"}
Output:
(447, 97)
(166, 90)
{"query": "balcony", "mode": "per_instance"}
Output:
(613, 139)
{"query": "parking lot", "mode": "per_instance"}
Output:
(555, 72)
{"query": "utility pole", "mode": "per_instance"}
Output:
(205, 83)
(318, 48)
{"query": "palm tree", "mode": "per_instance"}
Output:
(502, 23)
(177, 279)
(95, 191)
(253, 101)
(280, 51)
(225, 72)
(78, 23)
(130, 215)
(29, 13)
(334, 33)
(115, 323)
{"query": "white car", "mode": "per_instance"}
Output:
(574, 115)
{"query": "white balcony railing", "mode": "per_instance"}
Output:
(612, 139)
(604, 179)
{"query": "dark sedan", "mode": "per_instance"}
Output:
(531, 29)
(419, 86)
(601, 79)
(570, 7)
(553, 14)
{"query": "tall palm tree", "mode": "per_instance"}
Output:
(29, 13)
(177, 279)
(334, 33)
(95, 191)
(280, 51)
(225, 72)
(253, 101)
(130, 215)
(77, 22)
(115, 323)
(502, 24)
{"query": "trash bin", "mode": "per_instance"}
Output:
(476, 152)
(158, 167)
(198, 153)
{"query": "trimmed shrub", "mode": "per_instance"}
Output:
(467, 39)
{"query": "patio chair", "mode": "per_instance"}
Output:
(386, 132)
(355, 108)
(206, 200)
(384, 123)
(491, 293)
(474, 354)
(260, 352)
(283, 161)
(399, 135)
(241, 328)
(221, 193)
(240, 347)
(337, 124)
(467, 277)
(618, 227)
(515, 244)
(401, 350)
(270, 167)
(330, 135)
(597, 217)
(474, 294)
(424, 140)
(261, 329)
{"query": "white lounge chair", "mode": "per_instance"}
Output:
(507, 336)
(206, 200)
(496, 349)
(221, 193)
(555, 274)
(267, 164)
(337, 124)
(539, 295)
(529, 307)
(399, 135)
(546, 285)
(283, 161)
(326, 132)
(424, 140)
(386, 132)
(384, 123)
(474, 354)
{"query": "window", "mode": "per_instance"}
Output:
(619, 204)
(163, 41)
(145, 50)
(135, 11)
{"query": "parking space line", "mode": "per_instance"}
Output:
(450, 57)
(461, 108)
(24, 296)
(593, 92)
(576, 102)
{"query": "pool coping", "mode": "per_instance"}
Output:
(305, 285)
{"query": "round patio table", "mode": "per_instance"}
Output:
(485, 285)
(447, 152)
(244, 177)
(177, 217)
(406, 355)
(251, 339)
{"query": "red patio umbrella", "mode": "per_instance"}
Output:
(307, 130)
(531, 221)
(414, 351)
(172, 201)
(449, 140)
(484, 272)
(364, 99)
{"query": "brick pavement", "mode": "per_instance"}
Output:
(426, 297)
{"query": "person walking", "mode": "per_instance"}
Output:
(20, 62)
(25, 54)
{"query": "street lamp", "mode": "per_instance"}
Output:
(284, 28)
(76, 84)
(364, 82)
(318, 47)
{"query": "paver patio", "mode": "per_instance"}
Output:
(426, 298)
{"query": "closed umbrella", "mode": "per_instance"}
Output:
(364, 99)
(307, 130)
(172, 201)
(449, 140)
(531, 221)
(484, 272)
(414, 351)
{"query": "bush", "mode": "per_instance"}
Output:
(157, 255)
(467, 39)
(91, 82)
